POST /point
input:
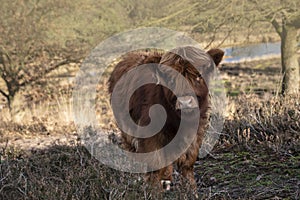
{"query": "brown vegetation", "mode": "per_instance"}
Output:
(41, 156)
(256, 157)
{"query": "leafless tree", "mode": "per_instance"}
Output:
(25, 58)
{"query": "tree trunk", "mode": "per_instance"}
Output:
(289, 60)
(9, 103)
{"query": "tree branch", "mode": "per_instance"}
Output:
(277, 27)
(172, 15)
(4, 94)
(47, 71)
(4, 59)
(227, 36)
(294, 20)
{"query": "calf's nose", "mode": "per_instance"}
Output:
(186, 102)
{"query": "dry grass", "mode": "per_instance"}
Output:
(67, 172)
(257, 157)
(272, 122)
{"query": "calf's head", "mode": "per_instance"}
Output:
(187, 71)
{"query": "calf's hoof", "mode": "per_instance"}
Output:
(166, 184)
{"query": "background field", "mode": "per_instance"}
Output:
(41, 155)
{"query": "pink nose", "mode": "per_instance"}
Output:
(186, 102)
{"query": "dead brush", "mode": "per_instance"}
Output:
(274, 122)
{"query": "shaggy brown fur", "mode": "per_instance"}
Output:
(143, 98)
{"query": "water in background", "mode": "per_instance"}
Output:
(251, 52)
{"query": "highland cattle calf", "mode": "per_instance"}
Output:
(195, 65)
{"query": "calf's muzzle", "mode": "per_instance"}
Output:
(186, 102)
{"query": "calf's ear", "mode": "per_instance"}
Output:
(217, 55)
